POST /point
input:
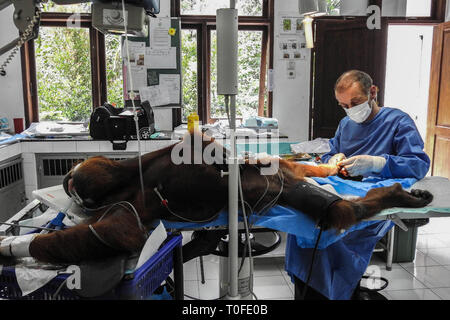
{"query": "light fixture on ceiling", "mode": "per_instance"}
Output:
(353, 7)
(310, 9)
(307, 26)
(393, 8)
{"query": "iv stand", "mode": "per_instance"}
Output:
(227, 84)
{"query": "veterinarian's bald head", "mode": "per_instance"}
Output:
(354, 78)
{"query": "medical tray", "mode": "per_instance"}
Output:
(137, 285)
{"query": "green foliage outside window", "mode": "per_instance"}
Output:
(209, 7)
(249, 62)
(189, 72)
(114, 75)
(63, 69)
(333, 7)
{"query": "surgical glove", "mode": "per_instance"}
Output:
(363, 165)
(338, 157)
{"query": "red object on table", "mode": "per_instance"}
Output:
(18, 125)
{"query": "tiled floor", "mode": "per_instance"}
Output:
(427, 278)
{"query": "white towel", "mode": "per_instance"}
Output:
(152, 244)
(31, 279)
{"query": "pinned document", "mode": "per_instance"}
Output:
(172, 83)
(156, 95)
(157, 58)
(136, 50)
(159, 33)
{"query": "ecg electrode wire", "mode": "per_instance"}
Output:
(121, 203)
(165, 203)
(55, 295)
(271, 203)
(305, 288)
(139, 222)
(23, 226)
(110, 206)
(194, 221)
(125, 23)
(268, 205)
(247, 234)
(265, 192)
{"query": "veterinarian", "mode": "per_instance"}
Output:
(372, 141)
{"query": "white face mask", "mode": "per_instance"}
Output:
(361, 112)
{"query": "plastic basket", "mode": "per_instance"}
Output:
(136, 285)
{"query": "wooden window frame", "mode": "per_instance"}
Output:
(204, 24)
(97, 55)
(437, 14)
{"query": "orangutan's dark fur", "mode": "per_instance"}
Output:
(197, 192)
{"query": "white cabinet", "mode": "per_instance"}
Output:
(12, 187)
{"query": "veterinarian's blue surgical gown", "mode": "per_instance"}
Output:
(338, 268)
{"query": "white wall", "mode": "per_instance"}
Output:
(408, 72)
(290, 96)
(11, 94)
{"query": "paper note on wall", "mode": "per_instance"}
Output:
(139, 77)
(161, 58)
(137, 52)
(156, 95)
(159, 33)
(172, 83)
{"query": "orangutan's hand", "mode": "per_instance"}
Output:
(332, 170)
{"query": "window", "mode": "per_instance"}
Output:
(208, 7)
(418, 8)
(189, 74)
(114, 72)
(390, 8)
(63, 68)
(406, 8)
(199, 57)
(333, 7)
(90, 64)
(249, 66)
(50, 6)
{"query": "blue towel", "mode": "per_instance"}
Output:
(342, 259)
(360, 188)
(297, 223)
(13, 138)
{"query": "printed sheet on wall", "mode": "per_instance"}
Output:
(154, 64)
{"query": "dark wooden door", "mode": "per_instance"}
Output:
(342, 45)
(438, 129)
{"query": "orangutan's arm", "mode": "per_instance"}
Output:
(304, 170)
